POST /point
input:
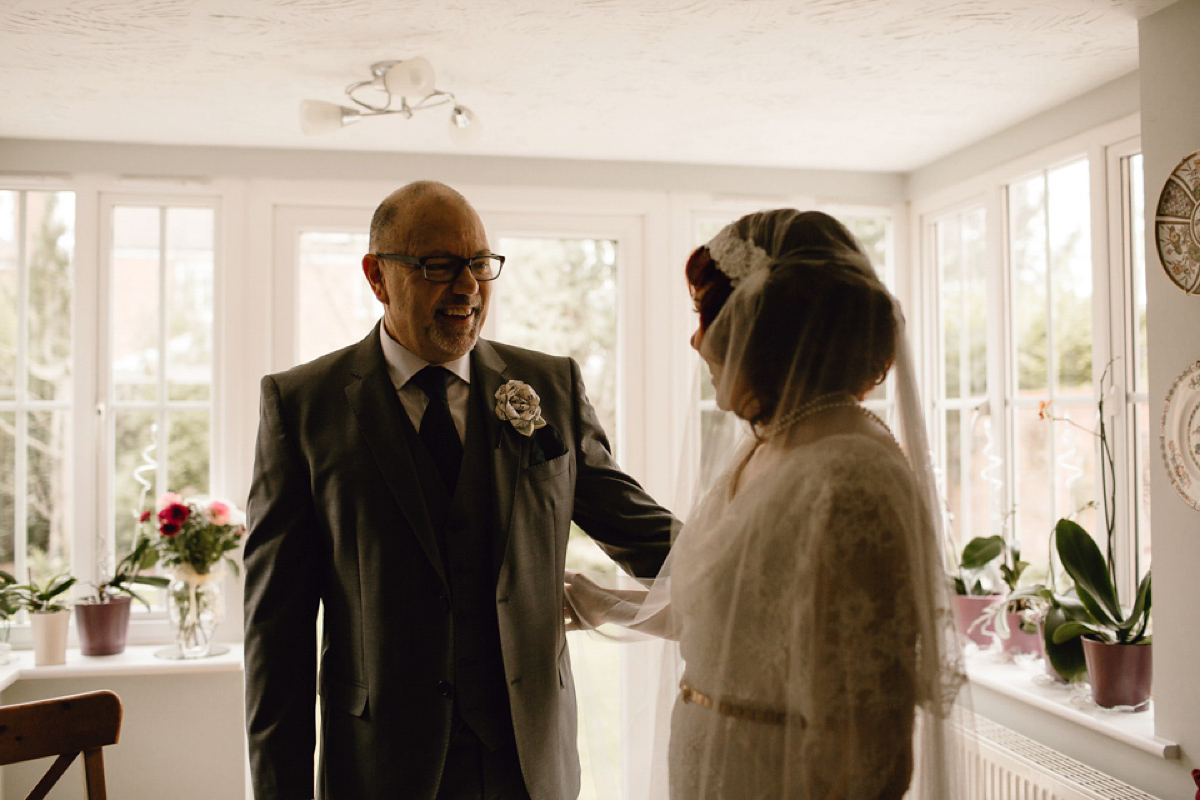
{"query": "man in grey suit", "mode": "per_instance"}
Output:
(429, 518)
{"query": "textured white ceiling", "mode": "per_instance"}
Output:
(835, 84)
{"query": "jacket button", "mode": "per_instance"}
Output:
(445, 689)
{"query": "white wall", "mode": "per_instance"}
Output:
(203, 164)
(181, 738)
(1170, 73)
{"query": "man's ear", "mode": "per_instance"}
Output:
(374, 276)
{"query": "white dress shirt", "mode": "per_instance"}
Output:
(403, 364)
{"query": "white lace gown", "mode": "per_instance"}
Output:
(793, 597)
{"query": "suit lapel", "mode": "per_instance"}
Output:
(488, 372)
(382, 420)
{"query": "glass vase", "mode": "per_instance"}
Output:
(196, 604)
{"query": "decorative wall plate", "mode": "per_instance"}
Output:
(1180, 435)
(1177, 225)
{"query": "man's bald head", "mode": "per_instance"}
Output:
(407, 209)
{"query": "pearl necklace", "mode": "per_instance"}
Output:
(817, 405)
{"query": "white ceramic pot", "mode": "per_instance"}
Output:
(50, 637)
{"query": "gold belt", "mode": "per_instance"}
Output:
(728, 709)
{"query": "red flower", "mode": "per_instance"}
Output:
(171, 518)
(176, 512)
(145, 516)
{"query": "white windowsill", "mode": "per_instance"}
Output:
(1026, 682)
(136, 660)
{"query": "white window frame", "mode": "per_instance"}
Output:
(91, 472)
(1103, 147)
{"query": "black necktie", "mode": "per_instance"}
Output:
(437, 426)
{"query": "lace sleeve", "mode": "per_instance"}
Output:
(590, 605)
(852, 650)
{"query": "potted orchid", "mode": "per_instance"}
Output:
(49, 614)
(195, 538)
(1116, 636)
(102, 619)
(988, 564)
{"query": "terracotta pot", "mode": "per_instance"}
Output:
(50, 637)
(968, 608)
(1019, 641)
(1121, 674)
(103, 626)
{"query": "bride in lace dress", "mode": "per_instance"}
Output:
(806, 589)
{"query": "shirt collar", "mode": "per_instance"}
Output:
(402, 363)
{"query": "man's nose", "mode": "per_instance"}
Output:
(465, 282)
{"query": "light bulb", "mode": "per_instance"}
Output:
(412, 77)
(317, 116)
(465, 128)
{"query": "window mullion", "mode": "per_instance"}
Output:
(161, 454)
(21, 395)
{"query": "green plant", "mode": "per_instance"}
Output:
(127, 573)
(978, 555)
(1053, 609)
(1104, 617)
(9, 604)
(43, 598)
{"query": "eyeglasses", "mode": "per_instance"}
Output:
(446, 269)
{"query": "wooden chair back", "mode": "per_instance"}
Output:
(63, 727)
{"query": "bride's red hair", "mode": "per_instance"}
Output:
(710, 287)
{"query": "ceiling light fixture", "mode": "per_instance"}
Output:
(396, 80)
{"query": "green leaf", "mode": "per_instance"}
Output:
(1139, 616)
(1072, 630)
(58, 586)
(1082, 560)
(1066, 657)
(152, 580)
(981, 551)
(1092, 610)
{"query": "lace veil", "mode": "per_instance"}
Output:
(807, 587)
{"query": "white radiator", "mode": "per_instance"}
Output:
(1009, 766)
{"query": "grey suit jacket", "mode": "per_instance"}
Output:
(336, 517)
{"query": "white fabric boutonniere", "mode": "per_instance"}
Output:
(518, 403)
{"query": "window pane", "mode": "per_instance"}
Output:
(1141, 472)
(334, 301)
(949, 260)
(8, 490)
(188, 446)
(872, 234)
(560, 296)
(163, 275)
(135, 291)
(134, 446)
(48, 491)
(10, 256)
(1075, 481)
(1069, 209)
(1027, 266)
(50, 237)
(1137, 268)
(974, 270)
(1032, 493)
(189, 274)
(954, 482)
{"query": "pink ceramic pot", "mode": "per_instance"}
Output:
(102, 627)
(968, 608)
(1019, 641)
